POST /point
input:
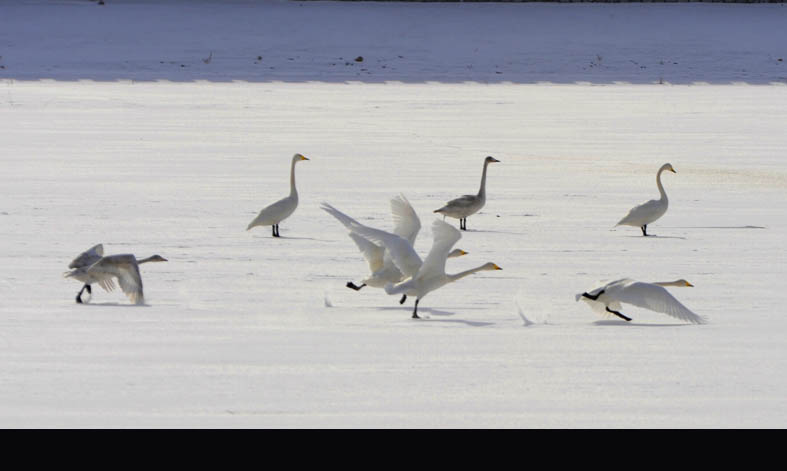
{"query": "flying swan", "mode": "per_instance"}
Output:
(282, 209)
(383, 270)
(430, 275)
(646, 213)
(607, 299)
(91, 266)
(467, 205)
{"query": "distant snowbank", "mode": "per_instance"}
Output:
(407, 42)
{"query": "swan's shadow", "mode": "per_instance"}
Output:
(655, 236)
(115, 304)
(626, 323)
(436, 312)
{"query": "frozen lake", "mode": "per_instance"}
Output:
(237, 330)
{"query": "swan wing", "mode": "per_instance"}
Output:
(88, 257)
(444, 237)
(645, 213)
(275, 213)
(373, 253)
(656, 298)
(463, 201)
(406, 222)
(125, 269)
(402, 252)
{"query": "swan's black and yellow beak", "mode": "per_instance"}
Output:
(497, 268)
(304, 158)
(689, 284)
(462, 252)
(672, 170)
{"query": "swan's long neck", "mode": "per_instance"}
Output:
(661, 187)
(460, 275)
(146, 260)
(293, 191)
(482, 190)
(670, 283)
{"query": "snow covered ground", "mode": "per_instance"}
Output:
(107, 138)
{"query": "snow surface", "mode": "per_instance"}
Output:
(243, 330)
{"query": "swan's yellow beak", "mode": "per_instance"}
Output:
(673, 170)
(496, 267)
(304, 158)
(689, 284)
(462, 252)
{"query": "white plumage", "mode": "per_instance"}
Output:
(607, 298)
(381, 265)
(467, 205)
(91, 267)
(431, 274)
(275, 213)
(648, 212)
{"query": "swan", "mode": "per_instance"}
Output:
(467, 205)
(282, 209)
(92, 266)
(646, 213)
(607, 299)
(383, 270)
(430, 275)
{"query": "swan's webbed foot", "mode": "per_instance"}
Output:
(415, 311)
(594, 297)
(625, 318)
(404, 298)
(79, 299)
(352, 285)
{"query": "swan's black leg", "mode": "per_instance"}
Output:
(415, 311)
(463, 224)
(644, 230)
(593, 297)
(404, 298)
(273, 230)
(352, 285)
(627, 319)
(276, 230)
(79, 294)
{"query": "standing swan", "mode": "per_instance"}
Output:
(467, 205)
(607, 299)
(282, 209)
(124, 267)
(431, 274)
(644, 214)
(383, 270)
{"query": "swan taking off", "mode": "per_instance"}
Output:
(92, 267)
(406, 226)
(282, 209)
(467, 205)
(430, 275)
(607, 299)
(644, 214)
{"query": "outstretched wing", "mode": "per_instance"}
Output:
(373, 253)
(406, 222)
(88, 257)
(125, 269)
(402, 252)
(656, 298)
(444, 237)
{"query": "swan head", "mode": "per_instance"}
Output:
(668, 167)
(490, 266)
(298, 157)
(681, 282)
(490, 160)
(457, 253)
(156, 258)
